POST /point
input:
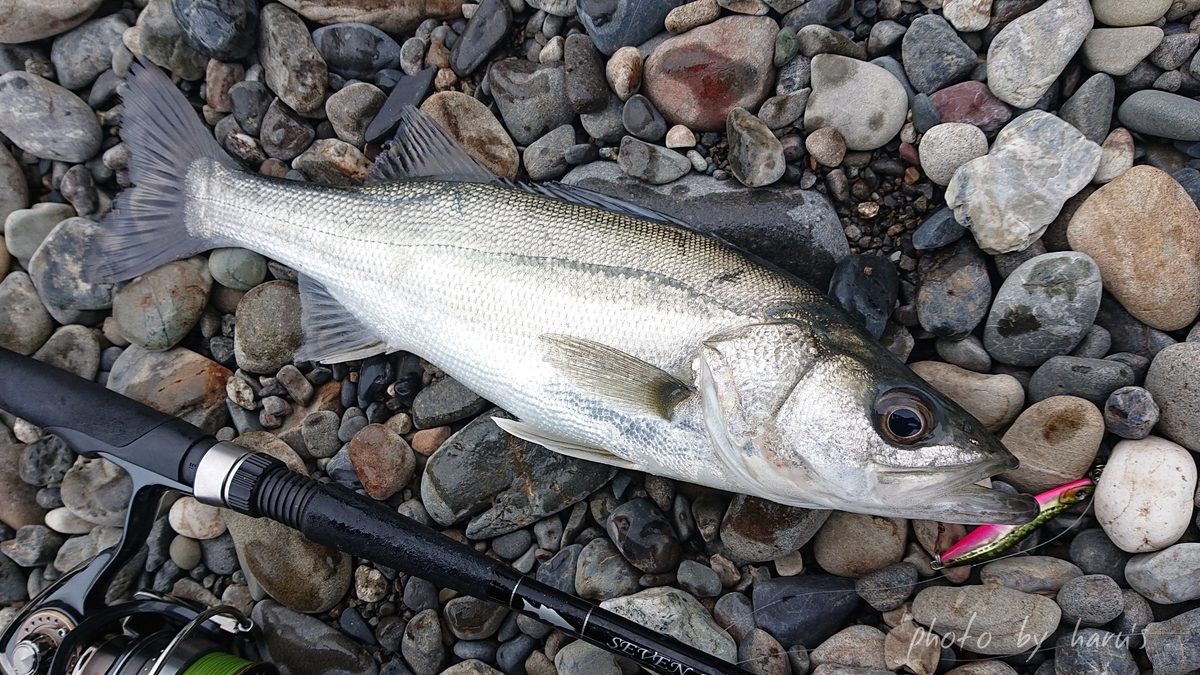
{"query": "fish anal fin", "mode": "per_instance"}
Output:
(331, 333)
(562, 445)
(613, 374)
(423, 149)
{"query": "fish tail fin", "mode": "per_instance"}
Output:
(147, 226)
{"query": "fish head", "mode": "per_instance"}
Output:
(824, 417)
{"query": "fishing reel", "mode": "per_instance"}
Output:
(67, 630)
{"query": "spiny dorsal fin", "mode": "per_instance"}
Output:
(613, 374)
(331, 333)
(573, 194)
(562, 445)
(423, 149)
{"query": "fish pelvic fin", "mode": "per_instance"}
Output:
(613, 374)
(563, 445)
(331, 333)
(146, 227)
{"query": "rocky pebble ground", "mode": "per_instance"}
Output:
(1003, 191)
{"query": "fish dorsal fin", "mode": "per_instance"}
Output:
(615, 375)
(423, 149)
(331, 333)
(573, 194)
(562, 445)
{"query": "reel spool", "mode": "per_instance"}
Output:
(151, 635)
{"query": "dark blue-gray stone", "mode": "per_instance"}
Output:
(934, 56)
(445, 402)
(938, 230)
(1090, 600)
(420, 594)
(482, 650)
(824, 12)
(804, 609)
(1090, 108)
(734, 613)
(1135, 617)
(1130, 412)
(699, 580)
(795, 229)
(85, 52)
(1091, 379)
(486, 29)
(1189, 179)
(866, 287)
(12, 582)
(587, 88)
(219, 554)
(644, 536)
(353, 624)
(1044, 308)
(1173, 646)
(45, 461)
(1128, 334)
(643, 120)
(1159, 113)
(219, 29)
(602, 572)
(510, 657)
(559, 571)
(613, 24)
(887, 588)
(1091, 650)
(955, 290)
(356, 50)
(250, 102)
(1095, 344)
(407, 91)
(924, 113)
(34, 546)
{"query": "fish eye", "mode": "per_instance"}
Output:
(904, 417)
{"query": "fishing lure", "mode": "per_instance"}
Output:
(988, 541)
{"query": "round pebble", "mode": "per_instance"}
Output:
(1144, 496)
(198, 521)
(185, 552)
(1130, 412)
(946, 147)
(1091, 600)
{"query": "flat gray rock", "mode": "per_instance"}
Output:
(793, 228)
(866, 103)
(1160, 113)
(1029, 53)
(46, 119)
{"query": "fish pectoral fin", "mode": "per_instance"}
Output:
(423, 149)
(331, 333)
(562, 445)
(613, 374)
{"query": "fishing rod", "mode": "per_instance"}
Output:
(69, 623)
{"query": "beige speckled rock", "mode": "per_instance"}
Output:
(967, 16)
(1002, 621)
(948, 146)
(195, 520)
(399, 17)
(1174, 382)
(1129, 12)
(856, 646)
(994, 400)
(1056, 440)
(624, 72)
(855, 544)
(1117, 51)
(1143, 231)
(27, 20)
(696, 13)
(1144, 496)
(1116, 156)
(476, 129)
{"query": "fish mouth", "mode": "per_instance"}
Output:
(961, 500)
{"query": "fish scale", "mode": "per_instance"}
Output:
(611, 333)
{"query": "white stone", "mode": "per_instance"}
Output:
(968, 16)
(1029, 53)
(1008, 197)
(673, 612)
(948, 146)
(1144, 496)
(63, 521)
(198, 521)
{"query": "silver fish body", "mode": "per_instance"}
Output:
(611, 337)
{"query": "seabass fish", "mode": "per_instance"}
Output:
(612, 334)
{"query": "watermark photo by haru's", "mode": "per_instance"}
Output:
(1027, 640)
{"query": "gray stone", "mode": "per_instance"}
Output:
(268, 327)
(793, 228)
(644, 536)
(33, 546)
(25, 325)
(28, 20)
(605, 125)
(781, 110)
(292, 66)
(1036, 154)
(967, 353)
(1091, 379)
(56, 269)
(887, 588)
(532, 98)
(818, 39)
(934, 55)
(1173, 646)
(884, 36)
(545, 158)
(14, 194)
(351, 109)
(587, 89)
(1172, 381)
(1090, 108)
(619, 23)
(297, 644)
(159, 308)
(1094, 345)
(82, 54)
(445, 402)
(653, 164)
(178, 382)
(1121, 13)
(218, 29)
(1168, 576)
(502, 483)
(757, 530)
(734, 613)
(602, 573)
(12, 583)
(1043, 309)
(46, 119)
(669, 611)
(1028, 54)
(356, 50)
(643, 120)
(1009, 618)
(863, 101)
(699, 580)
(470, 618)
(1091, 600)
(1095, 553)
(485, 31)
(161, 40)
(824, 12)
(938, 230)
(1131, 412)
(794, 76)
(955, 290)
(755, 155)
(805, 609)
(1091, 650)
(1160, 113)
(97, 491)
(74, 349)
(284, 134)
(1174, 50)
(1117, 51)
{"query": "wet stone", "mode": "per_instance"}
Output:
(219, 29)
(531, 98)
(615, 24)
(866, 287)
(644, 536)
(470, 618)
(955, 290)
(486, 29)
(757, 530)
(806, 609)
(299, 642)
(938, 230)
(546, 158)
(1130, 412)
(602, 573)
(356, 50)
(1095, 553)
(1090, 379)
